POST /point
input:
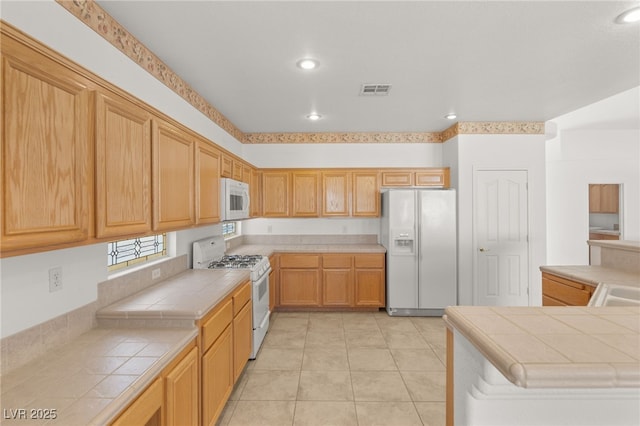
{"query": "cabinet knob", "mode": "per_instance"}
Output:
(483, 249)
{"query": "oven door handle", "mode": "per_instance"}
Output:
(265, 320)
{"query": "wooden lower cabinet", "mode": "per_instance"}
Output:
(370, 280)
(217, 377)
(273, 283)
(146, 409)
(558, 291)
(226, 341)
(242, 328)
(337, 280)
(182, 394)
(332, 280)
(173, 397)
(299, 287)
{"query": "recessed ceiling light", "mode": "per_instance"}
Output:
(314, 116)
(307, 64)
(630, 16)
(451, 116)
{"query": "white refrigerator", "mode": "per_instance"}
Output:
(418, 229)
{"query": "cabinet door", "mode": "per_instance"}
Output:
(299, 287)
(305, 192)
(236, 168)
(246, 174)
(366, 194)
(369, 287)
(226, 168)
(46, 171)
(255, 193)
(397, 178)
(275, 194)
(146, 409)
(173, 177)
(337, 287)
(609, 198)
(369, 280)
(123, 167)
(207, 183)
(272, 290)
(217, 377)
(594, 198)
(435, 177)
(242, 340)
(182, 391)
(335, 193)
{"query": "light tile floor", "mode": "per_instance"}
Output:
(335, 369)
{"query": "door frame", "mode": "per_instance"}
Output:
(474, 227)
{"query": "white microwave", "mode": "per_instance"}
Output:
(234, 199)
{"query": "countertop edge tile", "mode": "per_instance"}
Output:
(529, 374)
(119, 403)
(592, 274)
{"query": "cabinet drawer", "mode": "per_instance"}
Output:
(369, 261)
(241, 296)
(336, 261)
(299, 261)
(215, 325)
(568, 294)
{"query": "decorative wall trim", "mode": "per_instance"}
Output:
(89, 12)
(449, 133)
(501, 127)
(96, 18)
(357, 137)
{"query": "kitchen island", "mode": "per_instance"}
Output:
(543, 365)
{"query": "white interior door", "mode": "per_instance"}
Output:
(501, 236)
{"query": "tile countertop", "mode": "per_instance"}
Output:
(555, 347)
(186, 296)
(93, 378)
(594, 275)
(268, 250)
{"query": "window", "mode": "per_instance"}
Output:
(229, 229)
(121, 254)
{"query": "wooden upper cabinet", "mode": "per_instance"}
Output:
(123, 167)
(433, 177)
(246, 173)
(275, 193)
(226, 166)
(255, 193)
(609, 198)
(305, 193)
(173, 177)
(366, 194)
(397, 178)
(335, 193)
(207, 183)
(47, 151)
(236, 170)
(604, 198)
(427, 177)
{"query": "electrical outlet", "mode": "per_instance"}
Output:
(55, 279)
(156, 273)
(269, 229)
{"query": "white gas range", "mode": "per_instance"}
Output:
(208, 253)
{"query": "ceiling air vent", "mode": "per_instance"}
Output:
(375, 89)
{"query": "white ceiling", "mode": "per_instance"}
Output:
(486, 61)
